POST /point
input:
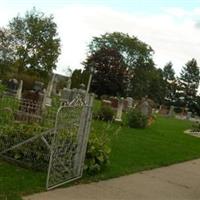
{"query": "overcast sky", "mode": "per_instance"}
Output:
(170, 27)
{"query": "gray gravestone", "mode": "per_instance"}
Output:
(171, 111)
(19, 90)
(189, 115)
(130, 102)
(145, 107)
(119, 110)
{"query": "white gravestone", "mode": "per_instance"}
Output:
(119, 110)
(130, 102)
(19, 90)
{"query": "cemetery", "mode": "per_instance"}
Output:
(120, 114)
(33, 132)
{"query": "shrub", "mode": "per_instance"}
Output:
(105, 113)
(196, 127)
(136, 119)
(97, 155)
(2, 89)
(178, 110)
(36, 154)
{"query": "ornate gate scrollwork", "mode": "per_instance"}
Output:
(64, 143)
(69, 143)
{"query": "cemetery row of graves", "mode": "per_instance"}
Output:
(36, 133)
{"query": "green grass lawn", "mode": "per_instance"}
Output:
(132, 150)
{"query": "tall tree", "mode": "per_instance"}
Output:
(130, 47)
(168, 72)
(132, 52)
(170, 83)
(6, 53)
(79, 77)
(148, 81)
(110, 75)
(34, 42)
(189, 82)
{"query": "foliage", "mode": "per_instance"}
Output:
(168, 72)
(117, 54)
(33, 43)
(111, 73)
(34, 154)
(148, 81)
(2, 89)
(135, 119)
(105, 113)
(196, 127)
(5, 53)
(130, 47)
(79, 77)
(188, 84)
(170, 84)
(161, 144)
(178, 109)
(97, 155)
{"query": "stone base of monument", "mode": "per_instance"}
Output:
(48, 101)
(118, 121)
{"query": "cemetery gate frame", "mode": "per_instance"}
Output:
(66, 141)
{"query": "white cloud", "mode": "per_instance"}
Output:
(177, 12)
(173, 34)
(171, 39)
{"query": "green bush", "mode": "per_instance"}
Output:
(97, 155)
(105, 113)
(196, 127)
(36, 154)
(178, 110)
(135, 119)
(2, 89)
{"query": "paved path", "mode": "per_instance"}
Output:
(176, 182)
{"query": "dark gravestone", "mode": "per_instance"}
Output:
(30, 108)
(12, 86)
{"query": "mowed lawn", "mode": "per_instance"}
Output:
(133, 150)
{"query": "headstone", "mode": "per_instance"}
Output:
(125, 105)
(119, 110)
(47, 96)
(19, 91)
(130, 102)
(69, 82)
(189, 115)
(105, 102)
(50, 86)
(114, 102)
(68, 95)
(171, 111)
(12, 86)
(145, 107)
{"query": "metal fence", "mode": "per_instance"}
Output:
(58, 140)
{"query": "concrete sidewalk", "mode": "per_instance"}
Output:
(176, 182)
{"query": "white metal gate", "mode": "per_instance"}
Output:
(65, 143)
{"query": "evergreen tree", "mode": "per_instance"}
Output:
(170, 84)
(189, 82)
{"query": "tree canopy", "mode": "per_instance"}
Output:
(189, 82)
(124, 66)
(110, 75)
(130, 47)
(33, 42)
